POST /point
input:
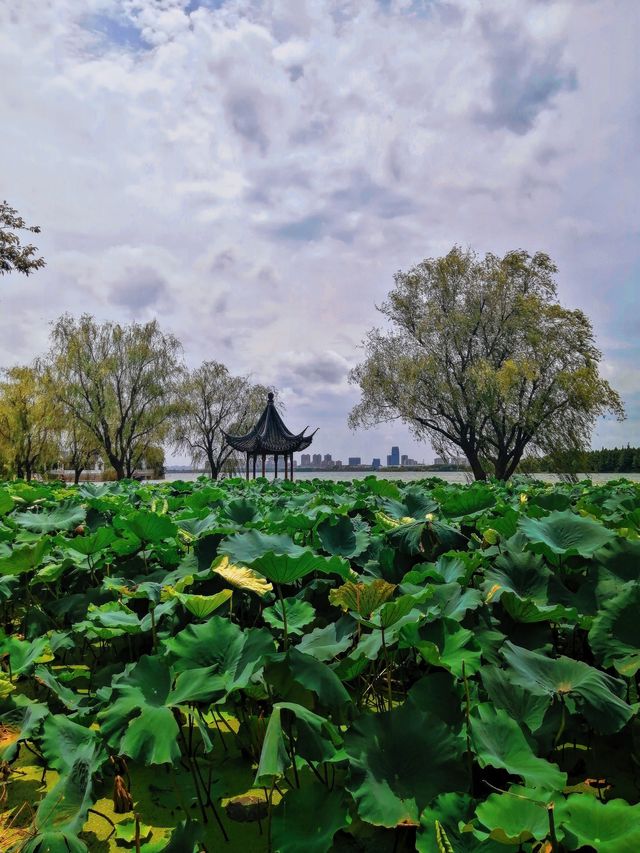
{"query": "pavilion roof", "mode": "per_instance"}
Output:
(270, 435)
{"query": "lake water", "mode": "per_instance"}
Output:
(408, 476)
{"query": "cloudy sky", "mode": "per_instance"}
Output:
(253, 172)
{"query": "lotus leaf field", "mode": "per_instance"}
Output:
(314, 666)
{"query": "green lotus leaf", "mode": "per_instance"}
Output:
(62, 740)
(498, 741)
(216, 658)
(91, 544)
(289, 671)
(565, 533)
(325, 643)
(6, 502)
(451, 813)
(23, 655)
(241, 510)
(64, 517)
(299, 614)
(20, 724)
(202, 606)
(413, 503)
(115, 618)
(615, 632)
(522, 706)
(583, 688)
(24, 558)
(185, 838)
(138, 722)
(249, 546)
(343, 537)
(63, 810)
(286, 569)
(75, 703)
(441, 696)
(388, 755)
(469, 503)
(362, 598)
(307, 818)
(450, 600)
(316, 739)
(444, 643)
(125, 833)
(612, 827)
(514, 817)
(148, 526)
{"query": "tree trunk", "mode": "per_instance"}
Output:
(76, 475)
(28, 472)
(118, 467)
(478, 471)
(212, 465)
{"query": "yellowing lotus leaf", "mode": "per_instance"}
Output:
(241, 577)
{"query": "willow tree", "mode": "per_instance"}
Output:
(119, 382)
(29, 421)
(480, 357)
(213, 402)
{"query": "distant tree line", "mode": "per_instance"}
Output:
(119, 394)
(623, 460)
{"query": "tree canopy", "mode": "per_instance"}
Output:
(14, 257)
(120, 382)
(481, 356)
(214, 400)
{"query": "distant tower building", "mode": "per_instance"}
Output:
(404, 459)
(375, 464)
(441, 460)
(355, 460)
(395, 456)
(327, 461)
(305, 460)
(317, 460)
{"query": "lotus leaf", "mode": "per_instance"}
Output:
(583, 688)
(498, 741)
(241, 577)
(138, 722)
(299, 614)
(362, 598)
(64, 517)
(565, 533)
(308, 818)
(615, 633)
(388, 753)
(317, 739)
(612, 827)
(343, 537)
(24, 558)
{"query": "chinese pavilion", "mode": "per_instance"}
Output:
(270, 437)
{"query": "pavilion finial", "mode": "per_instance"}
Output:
(270, 397)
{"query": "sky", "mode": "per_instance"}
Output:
(252, 173)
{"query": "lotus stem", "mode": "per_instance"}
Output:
(388, 668)
(552, 828)
(467, 702)
(284, 617)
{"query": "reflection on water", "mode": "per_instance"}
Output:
(407, 476)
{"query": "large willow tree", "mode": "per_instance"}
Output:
(481, 357)
(119, 383)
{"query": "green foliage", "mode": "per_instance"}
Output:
(460, 653)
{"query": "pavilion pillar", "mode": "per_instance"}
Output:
(264, 464)
(247, 466)
(286, 465)
(291, 469)
(275, 466)
(255, 459)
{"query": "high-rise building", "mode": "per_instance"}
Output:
(355, 460)
(305, 460)
(375, 464)
(404, 459)
(317, 460)
(395, 456)
(327, 462)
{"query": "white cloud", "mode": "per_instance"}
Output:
(253, 173)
